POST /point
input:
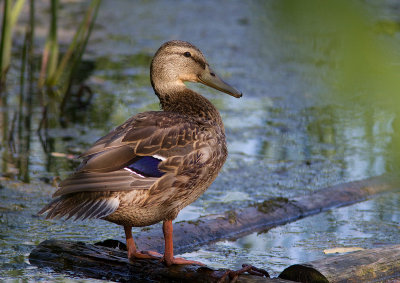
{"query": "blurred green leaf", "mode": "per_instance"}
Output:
(355, 55)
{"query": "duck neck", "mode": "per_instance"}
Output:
(181, 99)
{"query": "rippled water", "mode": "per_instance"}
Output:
(284, 140)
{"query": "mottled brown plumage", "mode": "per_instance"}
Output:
(157, 162)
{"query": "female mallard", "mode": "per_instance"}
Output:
(157, 162)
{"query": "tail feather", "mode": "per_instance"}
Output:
(69, 206)
(94, 209)
(74, 211)
(46, 208)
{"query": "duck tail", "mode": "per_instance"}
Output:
(67, 206)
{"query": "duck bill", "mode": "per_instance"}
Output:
(209, 78)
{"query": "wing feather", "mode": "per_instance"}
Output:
(164, 134)
(103, 182)
(175, 139)
(153, 128)
(109, 160)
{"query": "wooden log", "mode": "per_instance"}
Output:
(86, 260)
(375, 265)
(188, 235)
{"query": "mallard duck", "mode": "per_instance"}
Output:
(156, 163)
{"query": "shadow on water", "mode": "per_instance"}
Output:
(285, 137)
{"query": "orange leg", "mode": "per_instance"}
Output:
(168, 257)
(131, 247)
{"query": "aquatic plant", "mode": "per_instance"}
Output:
(10, 16)
(50, 51)
(57, 74)
(51, 88)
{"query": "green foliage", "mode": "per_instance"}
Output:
(355, 56)
(359, 59)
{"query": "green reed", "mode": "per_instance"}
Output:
(48, 82)
(59, 73)
(10, 16)
(50, 51)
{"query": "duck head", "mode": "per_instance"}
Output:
(178, 61)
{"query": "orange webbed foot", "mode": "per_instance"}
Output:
(179, 260)
(144, 255)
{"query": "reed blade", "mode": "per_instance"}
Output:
(10, 16)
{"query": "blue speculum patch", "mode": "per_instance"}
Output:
(146, 166)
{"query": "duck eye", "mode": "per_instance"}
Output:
(187, 54)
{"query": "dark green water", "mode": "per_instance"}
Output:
(285, 138)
